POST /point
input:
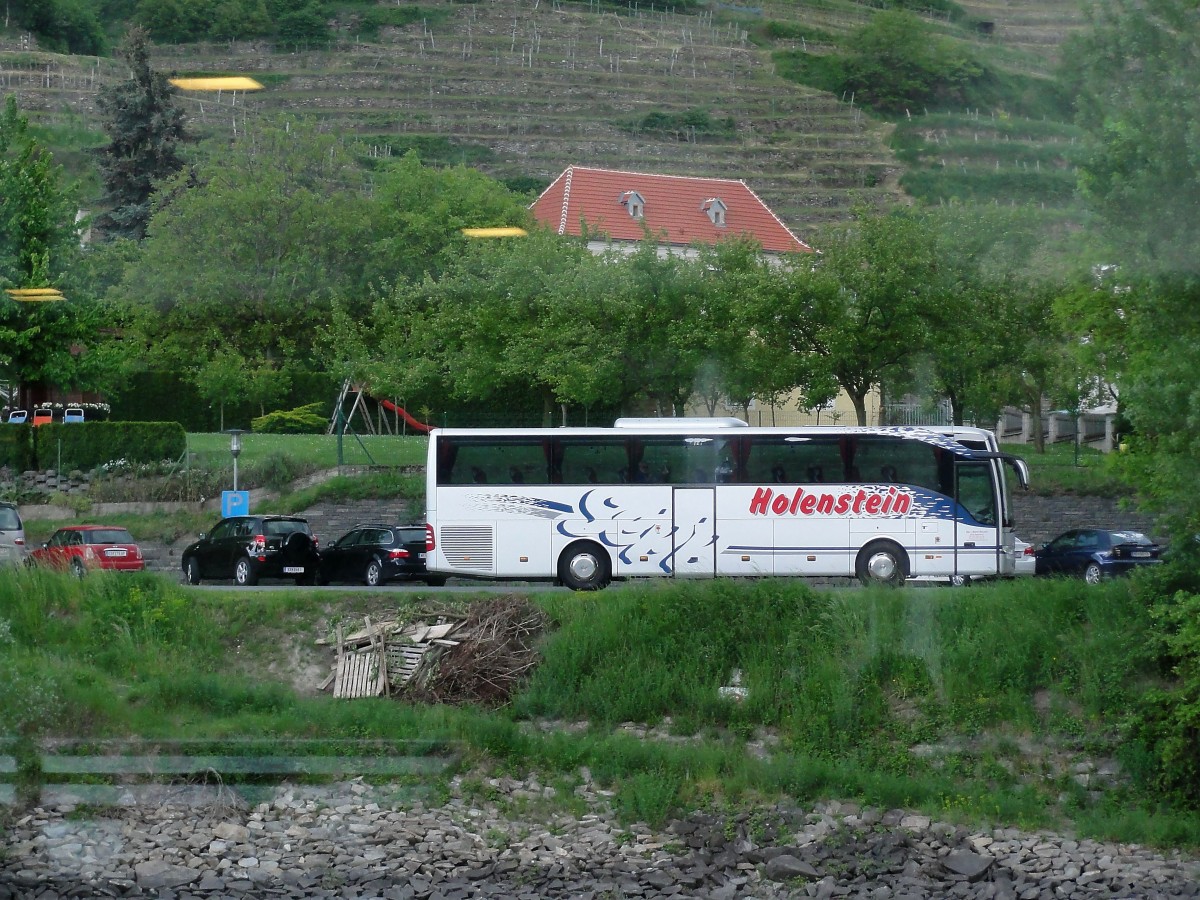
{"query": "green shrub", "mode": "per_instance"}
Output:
(16, 447)
(93, 444)
(308, 419)
(1164, 746)
(276, 472)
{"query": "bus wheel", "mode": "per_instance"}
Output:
(881, 563)
(583, 567)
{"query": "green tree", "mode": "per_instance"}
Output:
(173, 21)
(35, 208)
(221, 379)
(1137, 79)
(506, 318)
(37, 249)
(145, 129)
(897, 62)
(64, 26)
(981, 318)
(731, 367)
(417, 222)
(858, 314)
(272, 228)
(656, 307)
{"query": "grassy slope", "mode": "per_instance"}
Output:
(523, 90)
(975, 705)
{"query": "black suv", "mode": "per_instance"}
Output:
(376, 554)
(247, 548)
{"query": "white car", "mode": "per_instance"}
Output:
(1025, 558)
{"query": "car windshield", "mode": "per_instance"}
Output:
(278, 527)
(108, 536)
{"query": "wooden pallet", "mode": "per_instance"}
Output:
(359, 675)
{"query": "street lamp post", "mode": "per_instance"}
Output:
(235, 448)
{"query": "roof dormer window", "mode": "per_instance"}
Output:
(634, 204)
(715, 209)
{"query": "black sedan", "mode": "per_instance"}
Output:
(377, 554)
(1096, 553)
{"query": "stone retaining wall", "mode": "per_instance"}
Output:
(1040, 517)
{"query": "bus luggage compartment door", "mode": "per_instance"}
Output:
(694, 533)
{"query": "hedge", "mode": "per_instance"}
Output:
(16, 447)
(88, 445)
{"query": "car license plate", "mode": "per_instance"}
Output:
(117, 552)
(293, 570)
(420, 556)
(1141, 554)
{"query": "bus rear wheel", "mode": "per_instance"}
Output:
(881, 563)
(583, 567)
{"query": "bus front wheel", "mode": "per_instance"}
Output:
(583, 567)
(881, 563)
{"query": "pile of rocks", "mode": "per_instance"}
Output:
(354, 840)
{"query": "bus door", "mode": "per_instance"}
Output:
(977, 546)
(695, 532)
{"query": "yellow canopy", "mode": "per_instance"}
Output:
(34, 295)
(502, 231)
(217, 83)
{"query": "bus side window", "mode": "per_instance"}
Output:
(815, 474)
(887, 474)
(478, 475)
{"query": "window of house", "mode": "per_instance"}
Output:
(715, 208)
(634, 203)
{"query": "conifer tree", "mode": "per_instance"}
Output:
(145, 129)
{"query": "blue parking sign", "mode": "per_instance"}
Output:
(235, 503)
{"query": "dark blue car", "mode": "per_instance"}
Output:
(1096, 553)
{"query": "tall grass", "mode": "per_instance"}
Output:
(847, 685)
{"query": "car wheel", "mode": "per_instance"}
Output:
(1093, 573)
(435, 580)
(243, 573)
(191, 570)
(373, 576)
(584, 567)
(77, 568)
(880, 563)
(960, 580)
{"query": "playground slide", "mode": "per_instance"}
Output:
(412, 423)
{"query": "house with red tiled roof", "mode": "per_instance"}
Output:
(681, 211)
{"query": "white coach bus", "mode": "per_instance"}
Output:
(716, 497)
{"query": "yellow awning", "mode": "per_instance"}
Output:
(503, 231)
(34, 295)
(217, 83)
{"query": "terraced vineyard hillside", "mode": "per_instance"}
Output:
(521, 89)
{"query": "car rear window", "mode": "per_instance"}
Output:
(9, 520)
(108, 536)
(1130, 537)
(412, 535)
(278, 527)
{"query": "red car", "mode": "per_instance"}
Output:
(78, 548)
